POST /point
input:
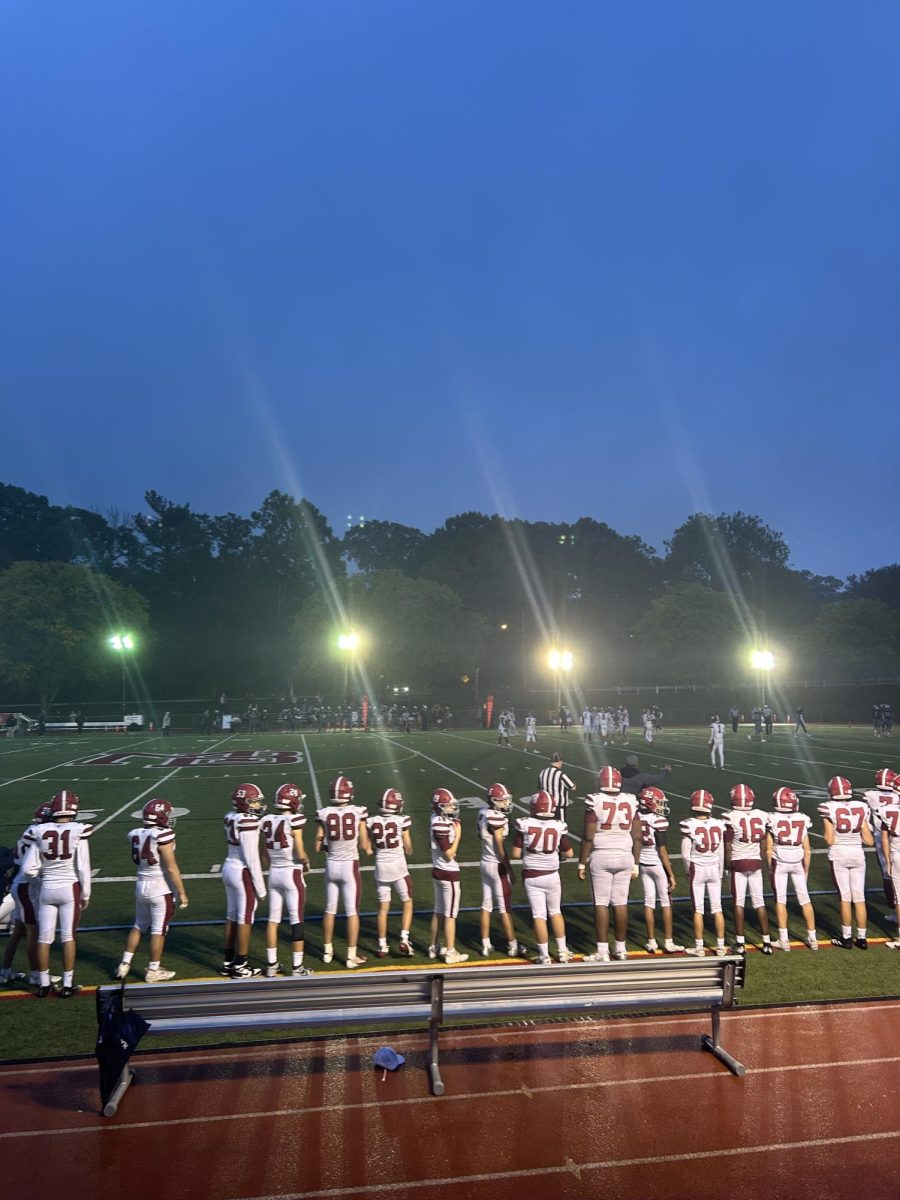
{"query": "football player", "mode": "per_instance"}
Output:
(745, 835)
(444, 835)
(59, 854)
(876, 798)
(717, 743)
(342, 829)
(703, 852)
(496, 873)
(847, 831)
(282, 835)
(24, 893)
(540, 840)
(158, 881)
(657, 875)
(392, 842)
(788, 856)
(243, 877)
(531, 733)
(612, 840)
(889, 822)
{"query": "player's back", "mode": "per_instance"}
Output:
(145, 842)
(490, 820)
(341, 823)
(541, 842)
(57, 844)
(278, 830)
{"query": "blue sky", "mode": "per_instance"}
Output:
(409, 259)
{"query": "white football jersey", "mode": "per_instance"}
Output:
(788, 831)
(653, 827)
(278, 830)
(541, 842)
(706, 837)
(26, 840)
(386, 831)
(442, 831)
(614, 817)
(341, 823)
(145, 842)
(746, 830)
(889, 819)
(848, 818)
(60, 850)
(489, 821)
(717, 732)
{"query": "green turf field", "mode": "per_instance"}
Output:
(32, 770)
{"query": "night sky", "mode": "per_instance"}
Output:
(410, 258)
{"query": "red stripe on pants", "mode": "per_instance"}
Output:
(358, 881)
(170, 908)
(23, 895)
(249, 898)
(76, 915)
(301, 891)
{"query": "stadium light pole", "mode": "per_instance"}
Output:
(560, 661)
(122, 643)
(348, 642)
(763, 661)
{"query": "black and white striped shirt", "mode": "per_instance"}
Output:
(554, 780)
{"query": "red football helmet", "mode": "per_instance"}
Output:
(884, 778)
(542, 805)
(654, 799)
(289, 798)
(786, 800)
(158, 812)
(609, 780)
(702, 800)
(840, 788)
(42, 812)
(498, 797)
(340, 790)
(392, 801)
(248, 798)
(742, 796)
(63, 804)
(444, 803)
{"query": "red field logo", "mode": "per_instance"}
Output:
(234, 758)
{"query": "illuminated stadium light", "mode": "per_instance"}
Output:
(122, 641)
(762, 660)
(348, 641)
(560, 660)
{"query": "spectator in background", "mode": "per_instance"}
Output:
(167, 723)
(79, 721)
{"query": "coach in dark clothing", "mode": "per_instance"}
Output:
(634, 780)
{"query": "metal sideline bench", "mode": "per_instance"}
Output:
(432, 996)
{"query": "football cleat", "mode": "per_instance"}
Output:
(597, 957)
(742, 796)
(702, 801)
(498, 797)
(542, 960)
(340, 790)
(405, 948)
(432, 952)
(696, 951)
(63, 804)
(609, 780)
(122, 970)
(300, 972)
(487, 951)
(812, 943)
(840, 788)
(892, 945)
(159, 976)
(739, 948)
(620, 955)
(861, 944)
(160, 813)
(673, 948)
(226, 968)
(392, 801)
(248, 798)
(452, 957)
(273, 969)
(766, 948)
(66, 993)
(44, 990)
(356, 961)
(786, 800)
(243, 972)
(542, 805)
(654, 800)
(444, 803)
(652, 947)
(379, 953)
(566, 956)
(783, 945)
(327, 956)
(289, 798)
(722, 951)
(842, 943)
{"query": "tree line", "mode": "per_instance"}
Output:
(255, 603)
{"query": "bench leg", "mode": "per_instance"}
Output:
(434, 1070)
(111, 1106)
(712, 1045)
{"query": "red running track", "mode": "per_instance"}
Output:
(611, 1108)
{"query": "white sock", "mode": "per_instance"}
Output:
(544, 949)
(127, 956)
(846, 931)
(154, 966)
(298, 958)
(782, 935)
(861, 931)
(620, 947)
(272, 955)
(561, 945)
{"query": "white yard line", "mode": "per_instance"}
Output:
(70, 762)
(312, 773)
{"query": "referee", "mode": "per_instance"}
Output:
(554, 780)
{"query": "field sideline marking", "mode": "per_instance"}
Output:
(541, 1089)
